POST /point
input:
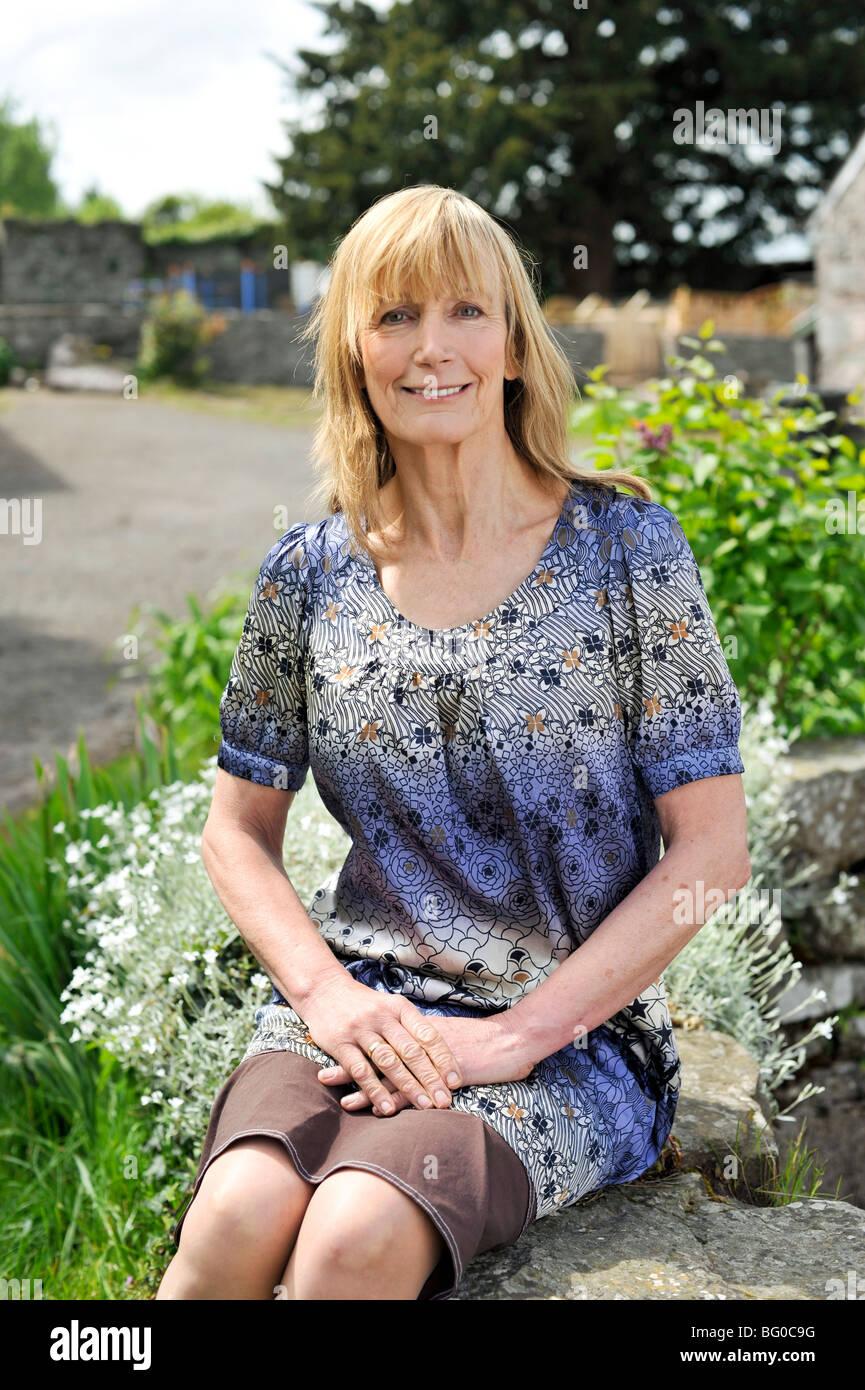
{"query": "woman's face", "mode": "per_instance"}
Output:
(415, 354)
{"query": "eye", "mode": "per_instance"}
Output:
(476, 308)
(389, 313)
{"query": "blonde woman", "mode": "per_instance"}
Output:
(505, 676)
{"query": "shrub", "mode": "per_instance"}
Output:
(762, 495)
(185, 684)
(165, 980)
(173, 337)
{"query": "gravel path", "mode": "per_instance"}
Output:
(141, 502)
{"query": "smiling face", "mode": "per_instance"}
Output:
(434, 371)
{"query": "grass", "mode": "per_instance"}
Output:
(756, 1178)
(77, 1208)
(72, 1126)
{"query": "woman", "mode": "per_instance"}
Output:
(468, 1030)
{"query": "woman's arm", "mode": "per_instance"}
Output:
(704, 830)
(241, 848)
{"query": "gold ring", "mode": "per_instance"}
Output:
(371, 1050)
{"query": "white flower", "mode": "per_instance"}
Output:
(59, 827)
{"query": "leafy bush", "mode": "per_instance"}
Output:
(174, 335)
(8, 360)
(166, 983)
(185, 684)
(762, 495)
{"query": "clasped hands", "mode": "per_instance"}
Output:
(421, 1059)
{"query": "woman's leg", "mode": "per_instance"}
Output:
(242, 1222)
(362, 1237)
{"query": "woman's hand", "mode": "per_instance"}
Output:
(486, 1050)
(347, 1019)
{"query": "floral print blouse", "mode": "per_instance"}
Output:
(497, 779)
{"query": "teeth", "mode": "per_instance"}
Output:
(435, 395)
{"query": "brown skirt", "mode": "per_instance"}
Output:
(480, 1197)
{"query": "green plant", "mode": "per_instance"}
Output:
(166, 983)
(8, 360)
(184, 686)
(764, 497)
(174, 334)
(79, 1211)
(74, 1217)
(793, 1180)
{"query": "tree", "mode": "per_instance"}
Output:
(560, 120)
(192, 217)
(98, 207)
(26, 186)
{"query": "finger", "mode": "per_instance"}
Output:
(434, 1044)
(358, 1065)
(425, 1077)
(358, 1101)
(389, 1062)
(334, 1076)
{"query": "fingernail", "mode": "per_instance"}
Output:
(441, 1098)
(387, 1106)
(453, 1078)
(424, 1102)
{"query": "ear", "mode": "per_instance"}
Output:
(513, 370)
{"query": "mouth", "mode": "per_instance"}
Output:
(442, 393)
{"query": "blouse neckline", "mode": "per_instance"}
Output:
(538, 576)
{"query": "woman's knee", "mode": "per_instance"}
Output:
(251, 1192)
(361, 1229)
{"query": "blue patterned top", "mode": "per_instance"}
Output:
(496, 779)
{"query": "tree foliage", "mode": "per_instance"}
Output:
(27, 188)
(560, 121)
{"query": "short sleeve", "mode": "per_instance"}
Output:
(679, 701)
(262, 712)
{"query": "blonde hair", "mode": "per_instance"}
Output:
(421, 241)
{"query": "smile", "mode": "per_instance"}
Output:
(443, 392)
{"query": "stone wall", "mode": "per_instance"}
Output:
(261, 348)
(67, 263)
(33, 328)
(839, 264)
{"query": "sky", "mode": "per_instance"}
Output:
(149, 97)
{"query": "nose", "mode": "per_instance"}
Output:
(432, 346)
